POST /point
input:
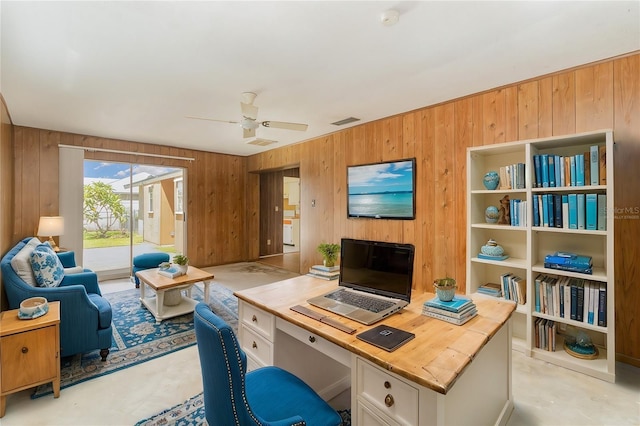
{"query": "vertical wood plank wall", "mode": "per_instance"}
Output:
(6, 187)
(223, 191)
(603, 95)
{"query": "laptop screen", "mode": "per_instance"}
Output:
(377, 267)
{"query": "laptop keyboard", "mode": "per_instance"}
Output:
(371, 304)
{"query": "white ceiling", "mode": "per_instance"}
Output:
(133, 70)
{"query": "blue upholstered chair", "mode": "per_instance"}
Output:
(147, 261)
(85, 316)
(266, 396)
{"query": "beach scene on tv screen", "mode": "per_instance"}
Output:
(381, 190)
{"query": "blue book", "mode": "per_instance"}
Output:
(594, 165)
(458, 303)
(505, 286)
(573, 211)
(552, 170)
(545, 210)
(602, 305)
(512, 212)
(552, 219)
(591, 218)
(544, 161)
(573, 170)
(579, 169)
(566, 258)
(574, 298)
(536, 211)
(557, 206)
(563, 181)
(581, 211)
(538, 279)
(602, 212)
(537, 171)
(557, 161)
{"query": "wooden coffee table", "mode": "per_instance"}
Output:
(160, 284)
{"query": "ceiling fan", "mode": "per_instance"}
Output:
(249, 121)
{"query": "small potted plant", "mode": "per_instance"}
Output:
(329, 252)
(182, 261)
(445, 288)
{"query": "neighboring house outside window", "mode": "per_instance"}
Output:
(150, 205)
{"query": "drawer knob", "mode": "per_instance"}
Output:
(254, 345)
(25, 349)
(387, 385)
(312, 339)
(254, 318)
(388, 400)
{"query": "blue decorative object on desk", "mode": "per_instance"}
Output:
(491, 214)
(491, 180)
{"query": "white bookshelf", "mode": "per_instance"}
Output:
(527, 245)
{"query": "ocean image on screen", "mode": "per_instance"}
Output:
(382, 190)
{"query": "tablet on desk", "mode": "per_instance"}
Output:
(386, 337)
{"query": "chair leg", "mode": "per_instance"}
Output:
(103, 354)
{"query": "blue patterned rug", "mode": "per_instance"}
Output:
(137, 338)
(191, 413)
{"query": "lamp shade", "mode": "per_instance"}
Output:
(50, 226)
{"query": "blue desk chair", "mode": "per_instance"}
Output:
(147, 261)
(266, 396)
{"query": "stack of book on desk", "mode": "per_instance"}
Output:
(325, 272)
(458, 311)
(569, 262)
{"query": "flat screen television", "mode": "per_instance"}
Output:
(382, 190)
(386, 267)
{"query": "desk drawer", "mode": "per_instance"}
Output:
(259, 320)
(387, 392)
(256, 346)
(320, 344)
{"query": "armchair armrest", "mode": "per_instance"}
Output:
(67, 258)
(87, 279)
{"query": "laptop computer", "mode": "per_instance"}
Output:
(375, 280)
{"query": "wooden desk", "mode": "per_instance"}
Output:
(29, 352)
(448, 374)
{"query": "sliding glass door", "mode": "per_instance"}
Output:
(130, 209)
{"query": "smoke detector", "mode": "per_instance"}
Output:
(390, 17)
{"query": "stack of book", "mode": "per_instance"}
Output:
(491, 289)
(569, 262)
(458, 311)
(325, 272)
(170, 272)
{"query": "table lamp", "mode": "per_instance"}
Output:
(50, 226)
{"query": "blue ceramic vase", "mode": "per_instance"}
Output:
(491, 180)
(491, 214)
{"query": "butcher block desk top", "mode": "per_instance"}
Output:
(435, 358)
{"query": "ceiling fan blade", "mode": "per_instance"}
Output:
(249, 111)
(285, 125)
(211, 119)
(248, 133)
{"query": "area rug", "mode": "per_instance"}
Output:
(191, 413)
(137, 338)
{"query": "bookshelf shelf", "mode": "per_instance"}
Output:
(528, 245)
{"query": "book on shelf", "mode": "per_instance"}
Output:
(491, 289)
(602, 305)
(594, 165)
(458, 303)
(565, 211)
(448, 319)
(581, 211)
(570, 268)
(602, 168)
(171, 272)
(568, 258)
(552, 170)
(537, 172)
(573, 211)
(514, 288)
(579, 169)
(587, 168)
(602, 212)
(591, 214)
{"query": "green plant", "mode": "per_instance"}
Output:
(180, 259)
(445, 282)
(329, 252)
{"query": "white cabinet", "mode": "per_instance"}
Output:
(293, 192)
(527, 244)
(256, 334)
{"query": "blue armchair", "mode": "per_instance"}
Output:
(85, 316)
(266, 396)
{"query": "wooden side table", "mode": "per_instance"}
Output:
(29, 352)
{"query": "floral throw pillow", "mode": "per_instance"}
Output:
(46, 266)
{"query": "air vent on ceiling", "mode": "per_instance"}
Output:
(261, 142)
(345, 121)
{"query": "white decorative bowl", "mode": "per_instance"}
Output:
(33, 307)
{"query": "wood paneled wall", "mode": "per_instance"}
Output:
(6, 188)
(215, 189)
(597, 96)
